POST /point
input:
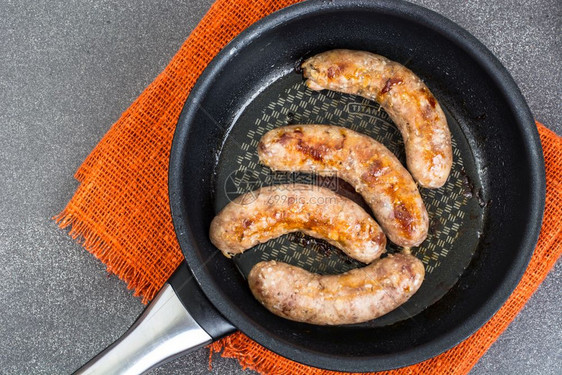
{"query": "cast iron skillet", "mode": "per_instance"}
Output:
(485, 220)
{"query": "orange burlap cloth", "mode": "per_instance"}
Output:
(120, 212)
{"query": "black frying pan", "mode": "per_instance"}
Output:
(484, 222)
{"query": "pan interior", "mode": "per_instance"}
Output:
(455, 210)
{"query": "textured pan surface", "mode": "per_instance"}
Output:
(454, 210)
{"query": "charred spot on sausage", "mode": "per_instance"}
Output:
(390, 83)
(404, 217)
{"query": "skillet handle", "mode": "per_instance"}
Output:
(179, 319)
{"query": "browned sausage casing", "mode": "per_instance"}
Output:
(405, 98)
(366, 164)
(356, 296)
(270, 212)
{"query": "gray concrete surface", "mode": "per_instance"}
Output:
(67, 71)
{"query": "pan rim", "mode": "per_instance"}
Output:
(530, 137)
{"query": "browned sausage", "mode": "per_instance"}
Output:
(370, 167)
(270, 212)
(356, 296)
(405, 98)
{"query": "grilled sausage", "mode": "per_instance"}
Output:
(270, 212)
(370, 167)
(405, 98)
(356, 296)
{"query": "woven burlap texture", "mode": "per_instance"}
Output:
(120, 211)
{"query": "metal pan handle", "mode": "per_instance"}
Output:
(180, 319)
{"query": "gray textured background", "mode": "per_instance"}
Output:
(67, 71)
